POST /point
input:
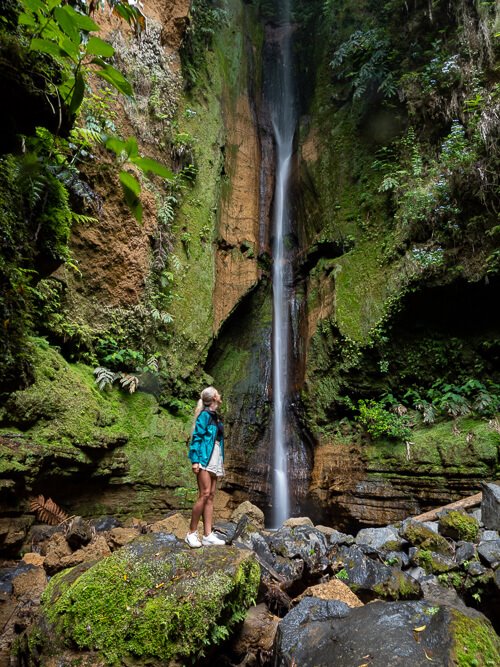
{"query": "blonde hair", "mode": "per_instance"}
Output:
(206, 398)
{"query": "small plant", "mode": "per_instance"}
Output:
(48, 511)
(342, 575)
(380, 422)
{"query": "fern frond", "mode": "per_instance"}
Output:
(130, 382)
(104, 376)
(81, 219)
(176, 262)
(153, 363)
(48, 511)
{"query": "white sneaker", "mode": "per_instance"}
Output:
(193, 540)
(211, 540)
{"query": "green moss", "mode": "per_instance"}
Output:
(459, 526)
(419, 535)
(398, 587)
(66, 419)
(467, 447)
(431, 561)
(475, 642)
(152, 605)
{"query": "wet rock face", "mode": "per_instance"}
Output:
(322, 633)
(355, 486)
(490, 506)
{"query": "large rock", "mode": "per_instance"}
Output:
(256, 637)
(254, 513)
(79, 533)
(380, 538)
(422, 536)
(319, 633)
(490, 506)
(371, 578)
(154, 599)
(303, 542)
(175, 524)
(56, 549)
(489, 553)
(13, 531)
(459, 526)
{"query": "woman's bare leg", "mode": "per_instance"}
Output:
(208, 510)
(204, 491)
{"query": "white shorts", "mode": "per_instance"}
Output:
(216, 464)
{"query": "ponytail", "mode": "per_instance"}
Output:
(206, 398)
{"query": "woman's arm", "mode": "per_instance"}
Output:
(200, 429)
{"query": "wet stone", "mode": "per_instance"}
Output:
(476, 569)
(380, 538)
(466, 551)
(489, 553)
(490, 506)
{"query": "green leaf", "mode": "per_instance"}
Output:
(67, 22)
(44, 46)
(27, 19)
(147, 165)
(71, 49)
(114, 77)
(33, 5)
(83, 21)
(78, 92)
(116, 145)
(131, 189)
(98, 47)
(130, 182)
(131, 148)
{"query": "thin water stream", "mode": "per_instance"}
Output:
(281, 97)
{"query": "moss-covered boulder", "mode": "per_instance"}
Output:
(459, 526)
(153, 601)
(434, 563)
(420, 536)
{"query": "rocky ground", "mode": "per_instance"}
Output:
(404, 594)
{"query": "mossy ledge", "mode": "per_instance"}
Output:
(62, 428)
(153, 601)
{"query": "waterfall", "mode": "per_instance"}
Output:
(281, 98)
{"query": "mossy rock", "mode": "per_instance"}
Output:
(419, 535)
(434, 563)
(154, 601)
(475, 642)
(459, 526)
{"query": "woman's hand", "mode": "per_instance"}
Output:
(196, 468)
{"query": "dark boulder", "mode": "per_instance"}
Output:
(489, 553)
(105, 523)
(371, 579)
(320, 633)
(79, 533)
(490, 506)
(303, 542)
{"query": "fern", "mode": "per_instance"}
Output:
(48, 511)
(129, 382)
(153, 364)
(81, 219)
(103, 377)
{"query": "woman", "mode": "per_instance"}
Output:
(206, 454)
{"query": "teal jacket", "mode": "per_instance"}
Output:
(203, 439)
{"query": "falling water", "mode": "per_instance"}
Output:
(283, 116)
